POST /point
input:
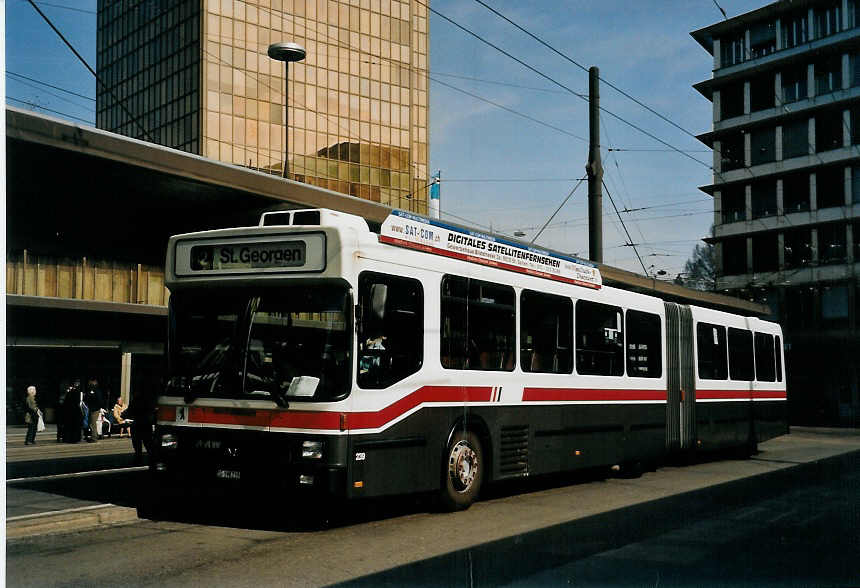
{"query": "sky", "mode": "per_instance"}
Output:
(502, 170)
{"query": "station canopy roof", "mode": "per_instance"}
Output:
(75, 191)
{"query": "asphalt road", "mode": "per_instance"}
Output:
(805, 536)
(715, 523)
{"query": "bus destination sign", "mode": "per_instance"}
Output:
(432, 236)
(261, 254)
(231, 256)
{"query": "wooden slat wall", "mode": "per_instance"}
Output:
(40, 275)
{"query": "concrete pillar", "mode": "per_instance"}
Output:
(748, 201)
(810, 24)
(814, 242)
(846, 128)
(813, 193)
(778, 35)
(777, 139)
(717, 54)
(749, 255)
(810, 80)
(780, 252)
(851, 197)
(747, 98)
(847, 185)
(777, 87)
(718, 158)
(849, 243)
(718, 207)
(747, 149)
(811, 135)
(125, 378)
(845, 22)
(717, 102)
(846, 71)
(780, 208)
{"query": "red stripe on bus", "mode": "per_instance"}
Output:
(166, 413)
(227, 416)
(774, 394)
(330, 420)
(482, 261)
(306, 419)
(374, 420)
(722, 394)
(739, 394)
(589, 395)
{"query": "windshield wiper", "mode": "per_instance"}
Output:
(268, 386)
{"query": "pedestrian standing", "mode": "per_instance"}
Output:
(32, 416)
(95, 403)
(142, 413)
(73, 413)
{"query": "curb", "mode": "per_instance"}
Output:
(730, 492)
(66, 521)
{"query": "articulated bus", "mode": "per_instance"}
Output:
(311, 354)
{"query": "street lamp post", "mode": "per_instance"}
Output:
(286, 52)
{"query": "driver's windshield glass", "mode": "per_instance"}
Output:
(288, 342)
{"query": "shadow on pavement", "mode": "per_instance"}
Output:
(121, 488)
(544, 556)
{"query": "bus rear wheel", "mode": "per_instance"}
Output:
(463, 471)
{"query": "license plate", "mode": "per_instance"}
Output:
(228, 474)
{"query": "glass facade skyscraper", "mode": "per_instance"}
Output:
(195, 75)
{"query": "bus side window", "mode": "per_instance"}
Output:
(778, 353)
(741, 354)
(764, 358)
(644, 353)
(711, 351)
(477, 325)
(599, 339)
(546, 323)
(390, 330)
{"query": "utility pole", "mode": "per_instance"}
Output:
(594, 170)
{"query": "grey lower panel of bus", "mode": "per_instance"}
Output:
(770, 419)
(517, 441)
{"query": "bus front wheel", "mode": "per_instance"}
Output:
(463, 471)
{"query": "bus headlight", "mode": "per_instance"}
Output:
(312, 449)
(169, 441)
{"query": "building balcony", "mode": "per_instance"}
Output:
(777, 113)
(774, 60)
(786, 221)
(790, 277)
(804, 162)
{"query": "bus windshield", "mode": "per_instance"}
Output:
(290, 343)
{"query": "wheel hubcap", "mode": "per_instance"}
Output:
(462, 466)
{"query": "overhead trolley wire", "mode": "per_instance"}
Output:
(119, 102)
(40, 107)
(563, 202)
(585, 69)
(40, 82)
(49, 93)
(510, 110)
(624, 226)
(564, 87)
(64, 7)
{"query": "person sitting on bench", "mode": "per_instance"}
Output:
(123, 424)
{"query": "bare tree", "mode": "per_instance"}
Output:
(700, 271)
